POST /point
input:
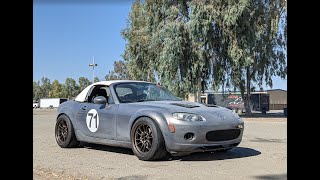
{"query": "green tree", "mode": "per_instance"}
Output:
(45, 87)
(96, 79)
(158, 42)
(70, 88)
(36, 90)
(191, 45)
(56, 90)
(119, 72)
(256, 45)
(139, 55)
(83, 83)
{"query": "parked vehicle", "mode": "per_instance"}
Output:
(233, 101)
(35, 104)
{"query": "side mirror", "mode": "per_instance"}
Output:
(100, 100)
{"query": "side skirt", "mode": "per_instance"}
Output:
(81, 137)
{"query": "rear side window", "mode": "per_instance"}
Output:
(100, 90)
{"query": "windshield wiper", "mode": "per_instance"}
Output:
(142, 100)
(127, 101)
(170, 100)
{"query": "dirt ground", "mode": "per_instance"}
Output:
(261, 155)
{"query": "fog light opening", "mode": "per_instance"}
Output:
(240, 126)
(189, 136)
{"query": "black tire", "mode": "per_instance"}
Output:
(146, 145)
(64, 133)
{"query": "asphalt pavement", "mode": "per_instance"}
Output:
(261, 155)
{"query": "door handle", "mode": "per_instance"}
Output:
(83, 107)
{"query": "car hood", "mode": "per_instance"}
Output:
(213, 114)
(181, 106)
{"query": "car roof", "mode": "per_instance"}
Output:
(82, 96)
(114, 81)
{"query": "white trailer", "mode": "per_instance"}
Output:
(51, 102)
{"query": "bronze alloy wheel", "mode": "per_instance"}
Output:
(147, 140)
(143, 138)
(62, 131)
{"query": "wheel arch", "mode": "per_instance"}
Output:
(60, 114)
(157, 117)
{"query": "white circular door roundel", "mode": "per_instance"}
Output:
(92, 120)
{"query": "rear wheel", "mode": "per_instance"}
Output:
(64, 133)
(147, 140)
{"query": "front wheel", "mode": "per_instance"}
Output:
(147, 140)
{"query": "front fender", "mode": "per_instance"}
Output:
(158, 117)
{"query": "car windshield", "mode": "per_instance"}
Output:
(138, 92)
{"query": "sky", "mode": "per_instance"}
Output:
(68, 34)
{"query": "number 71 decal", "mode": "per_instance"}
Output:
(92, 120)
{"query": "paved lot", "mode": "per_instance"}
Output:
(261, 155)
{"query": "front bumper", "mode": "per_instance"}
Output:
(176, 143)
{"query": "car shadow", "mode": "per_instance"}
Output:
(272, 176)
(237, 152)
(107, 148)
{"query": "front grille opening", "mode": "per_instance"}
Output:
(223, 135)
(219, 146)
(189, 136)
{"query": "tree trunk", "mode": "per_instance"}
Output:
(242, 90)
(195, 96)
(198, 97)
(247, 99)
(148, 76)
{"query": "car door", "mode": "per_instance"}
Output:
(98, 120)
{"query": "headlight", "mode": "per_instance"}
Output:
(188, 117)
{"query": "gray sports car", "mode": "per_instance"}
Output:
(147, 118)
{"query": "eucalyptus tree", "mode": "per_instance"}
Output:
(189, 45)
(138, 53)
(256, 48)
(119, 72)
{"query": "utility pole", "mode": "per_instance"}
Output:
(93, 65)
